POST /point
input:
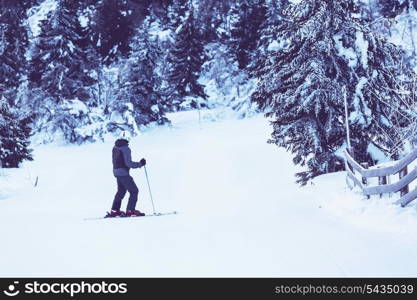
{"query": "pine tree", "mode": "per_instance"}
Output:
(392, 8)
(177, 12)
(267, 41)
(186, 58)
(58, 62)
(112, 29)
(301, 86)
(273, 17)
(212, 18)
(60, 74)
(247, 18)
(14, 137)
(402, 12)
(13, 46)
(91, 62)
(159, 9)
(142, 84)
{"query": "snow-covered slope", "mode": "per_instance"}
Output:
(240, 212)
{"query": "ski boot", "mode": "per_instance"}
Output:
(134, 213)
(115, 213)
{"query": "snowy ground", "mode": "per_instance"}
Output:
(240, 212)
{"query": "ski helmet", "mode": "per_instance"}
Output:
(124, 135)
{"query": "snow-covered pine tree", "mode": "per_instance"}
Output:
(399, 18)
(14, 137)
(273, 16)
(60, 75)
(267, 41)
(112, 29)
(301, 86)
(177, 12)
(140, 82)
(92, 64)
(14, 129)
(392, 8)
(159, 9)
(212, 19)
(186, 59)
(247, 16)
(13, 46)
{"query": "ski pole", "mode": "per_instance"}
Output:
(150, 192)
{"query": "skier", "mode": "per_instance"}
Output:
(122, 162)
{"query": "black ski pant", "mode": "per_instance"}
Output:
(125, 183)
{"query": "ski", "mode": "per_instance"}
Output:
(133, 217)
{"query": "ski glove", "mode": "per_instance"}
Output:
(142, 162)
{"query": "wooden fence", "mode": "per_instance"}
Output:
(383, 173)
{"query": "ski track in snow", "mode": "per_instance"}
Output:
(241, 213)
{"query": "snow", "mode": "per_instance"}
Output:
(71, 46)
(155, 108)
(156, 31)
(240, 212)
(360, 104)
(376, 154)
(276, 46)
(39, 13)
(403, 31)
(75, 107)
(225, 85)
(347, 53)
(83, 21)
(362, 45)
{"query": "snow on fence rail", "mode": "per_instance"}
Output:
(383, 173)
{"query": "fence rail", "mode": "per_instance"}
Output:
(383, 173)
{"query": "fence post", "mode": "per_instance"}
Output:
(389, 182)
(364, 179)
(382, 180)
(405, 189)
(350, 151)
